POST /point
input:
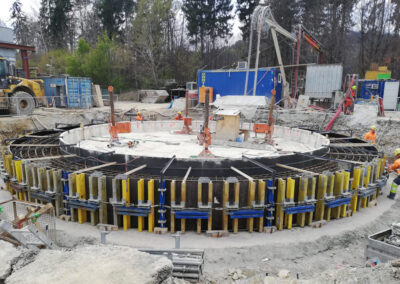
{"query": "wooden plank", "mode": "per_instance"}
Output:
(303, 185)
(261, 200)
(354, 186)
(48, 158)
(250, 200)
(199, 201)
(311, 195)
(135, 170)
(337, 191)
(242, 174)
(81, 189)
(95, 168)
(345, 189)
(296, 169)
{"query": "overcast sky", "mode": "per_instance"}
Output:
(31, 7)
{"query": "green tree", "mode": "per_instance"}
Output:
(113, 14)
(76, 60)
(207, 19)
(20, 25)
(245, 8)
(149, 36)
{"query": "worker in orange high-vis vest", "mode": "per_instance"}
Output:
(139, 117)
(179, 116)
(395, 167)
(371, 135)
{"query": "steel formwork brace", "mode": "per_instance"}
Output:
(162, 189)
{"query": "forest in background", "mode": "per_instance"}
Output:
(133, 44)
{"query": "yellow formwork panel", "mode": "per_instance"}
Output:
(354, 186)
(173, 200)
(337, 191)
(18, 175)
(225, 199)
(250, 200)
(303, 185)
(290, 195)
(261, 200)
(150, 194)
(366, 183)
(345, 188)
(183, 199)
(81, 190)
(140, 187)
(210, 200)
(279, 206)
(235, 222)
(311, 195)
(126, 194)
(329, 191)
(199, 201)
(320, 206)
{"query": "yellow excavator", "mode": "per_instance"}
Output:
(18, 95)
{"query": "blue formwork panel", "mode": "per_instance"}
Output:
(232, 82)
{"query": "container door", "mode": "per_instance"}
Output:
(390, 95)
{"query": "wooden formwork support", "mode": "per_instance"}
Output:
(17, 165)
(355, 184)
(338, 191)
(208, 205)
(303, 186)
(102, 189)
(250, 202)
(150, 195)
(57, 189)
(28, 179)
(96, 188)
(235, 222)
(329, 194)
(346, 189)
(72, 192)
(290, 183)
(261, 202)
(183, 199)
(117, 195)
(173, 200)
(140, 189)
(311, 196)
(280, 199)
(225, 202)
(321, 192)
(366, 181)
(81, 190)
(126, 193)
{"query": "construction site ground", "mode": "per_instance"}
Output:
(333, 253)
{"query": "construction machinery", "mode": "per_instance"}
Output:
(263, 20)
(18, 95)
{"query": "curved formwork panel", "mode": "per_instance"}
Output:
(329, 177)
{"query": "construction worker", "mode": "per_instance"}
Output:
(371, 135)
(179, 116)
(349, 101)
(395, 167)
(139, 117)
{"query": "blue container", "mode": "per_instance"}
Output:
(232, 82)
(374, 88)
(72, 92)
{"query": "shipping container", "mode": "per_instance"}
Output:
(323, 80)
(70, 92)
(232, 82)
(388, 90)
